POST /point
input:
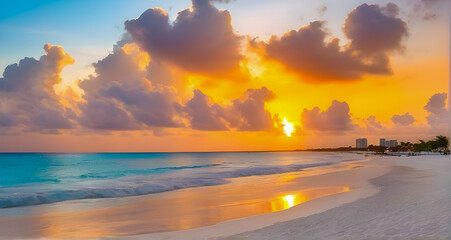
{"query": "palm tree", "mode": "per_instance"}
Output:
(442, 142)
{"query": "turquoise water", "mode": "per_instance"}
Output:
(38, 178)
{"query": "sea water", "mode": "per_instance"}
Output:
(41, 178)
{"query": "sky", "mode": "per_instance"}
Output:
(201, 75)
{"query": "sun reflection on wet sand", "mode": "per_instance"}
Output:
(173, 211)
(291, 200)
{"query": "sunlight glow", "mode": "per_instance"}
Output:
(289, 201)
(288, 128)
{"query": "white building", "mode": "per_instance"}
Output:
(388, 143)
(361, 143)
(392, 143)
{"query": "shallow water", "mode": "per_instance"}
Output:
(127, 194)
(36, 178)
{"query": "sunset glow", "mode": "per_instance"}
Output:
(288, 128)
(342, 72)
(224, 119)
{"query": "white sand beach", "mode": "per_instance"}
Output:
(363, 197)
(395, 198)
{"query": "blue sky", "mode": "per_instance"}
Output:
(82, 25)
(87, 30)
(26, 25)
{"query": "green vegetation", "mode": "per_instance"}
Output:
(439, 144)
(377, 149)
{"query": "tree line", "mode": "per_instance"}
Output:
(438, 144)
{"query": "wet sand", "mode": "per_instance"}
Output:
(414, 203)
(182, 209)
(356, 175)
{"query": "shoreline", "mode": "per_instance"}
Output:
(133, 215)
(359, 177)
(410, 199)
(396, 190)
(413, 204)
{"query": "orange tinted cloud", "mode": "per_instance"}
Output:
(29, 101)
(336, 118)
(200, 40)
(245, 114)
(373, 31)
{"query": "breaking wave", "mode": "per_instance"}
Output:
(141, 185)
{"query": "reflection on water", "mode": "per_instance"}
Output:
(172, 211)
(291, 200)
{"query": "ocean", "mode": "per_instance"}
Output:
(90, 195)
(38, 178)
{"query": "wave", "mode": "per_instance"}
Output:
(145, 185)
(143, 171)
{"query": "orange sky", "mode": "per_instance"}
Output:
(141, 97)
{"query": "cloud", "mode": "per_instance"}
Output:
(322, 9)
(439, 118)
(436, 104)
(29, 100)
(251, 111)
(373, 31)
(223, 1)
(6, 120)
(372, 124)
(120, 97)
(245, 114)
(335, 119)
(203, 114)
(307, 53)
(200, 40)
(105, 115)
(429, 9)
(129, 94)
(403, 120)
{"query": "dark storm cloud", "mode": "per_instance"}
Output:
(335, 119)
(200, 40)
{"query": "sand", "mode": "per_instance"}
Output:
(396, 198)
(391, 198)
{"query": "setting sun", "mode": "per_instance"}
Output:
(225, 119)
(288, 127)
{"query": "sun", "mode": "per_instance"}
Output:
(288, 127)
